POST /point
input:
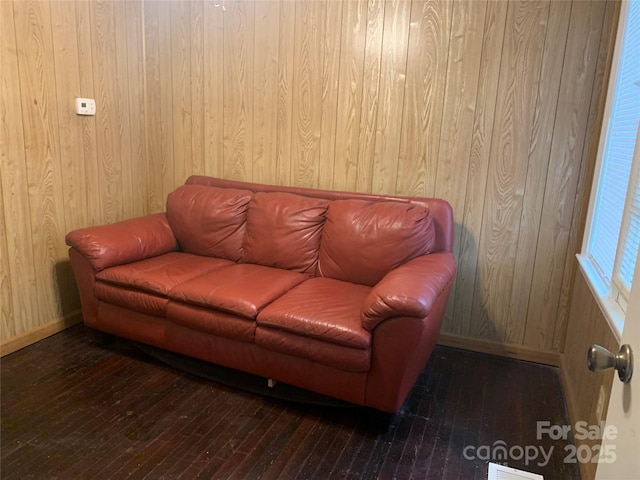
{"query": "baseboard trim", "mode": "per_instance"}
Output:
(39, 333)
(518, 352)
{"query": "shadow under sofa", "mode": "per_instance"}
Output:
(342, 294)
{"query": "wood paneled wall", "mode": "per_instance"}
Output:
(60, 171)
(587, 326)
(586, 323)
(486, 104)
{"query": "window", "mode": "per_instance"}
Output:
(612, 237)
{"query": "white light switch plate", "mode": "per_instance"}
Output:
(85, 106)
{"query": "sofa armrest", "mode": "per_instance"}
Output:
(410, 290)
(124, 242)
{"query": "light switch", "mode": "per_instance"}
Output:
(85, 106)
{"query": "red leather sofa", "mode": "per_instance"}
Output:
(339, 293)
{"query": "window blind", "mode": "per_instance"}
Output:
(613, 241)
(630, 236)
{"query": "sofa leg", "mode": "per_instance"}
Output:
(376, 421)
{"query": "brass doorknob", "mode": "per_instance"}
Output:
(599, 358)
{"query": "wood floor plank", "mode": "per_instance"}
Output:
(327, 465)
(280, 426)
(74, 409)
(305, 423)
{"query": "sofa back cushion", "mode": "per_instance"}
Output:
(284, 231)
(364, 240)
(209, 221)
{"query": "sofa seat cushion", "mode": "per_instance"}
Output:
(349, 359)
(160, 274)
(243, 289)
(210, 321)
(143, 286)
(322, 308)
(320, 320)
(132, 299)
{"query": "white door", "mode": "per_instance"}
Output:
(620, 456)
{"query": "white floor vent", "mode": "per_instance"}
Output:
(500, 472)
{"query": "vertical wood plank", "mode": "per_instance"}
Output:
(167, 151)
(285, 91)
(480, 155)
(213, 90)
(562, 178)
(589, 153)
(238, 89)
(519, 76)
(537, 166)
(153, 133)
(307, 93)
(423, 102)
(393, 68)
(350, 85)
(89, 141)
(181, 88)
(135, 66)
(42, 150)
(70, 130)
(65, 49)
(265, 114)
(197, 47)
(460, 94)
(370, 94)
(18, 275)
(331, 45)
(122, 125)
(158, 103)
(107, 123)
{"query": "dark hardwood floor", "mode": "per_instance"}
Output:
(72, 409)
